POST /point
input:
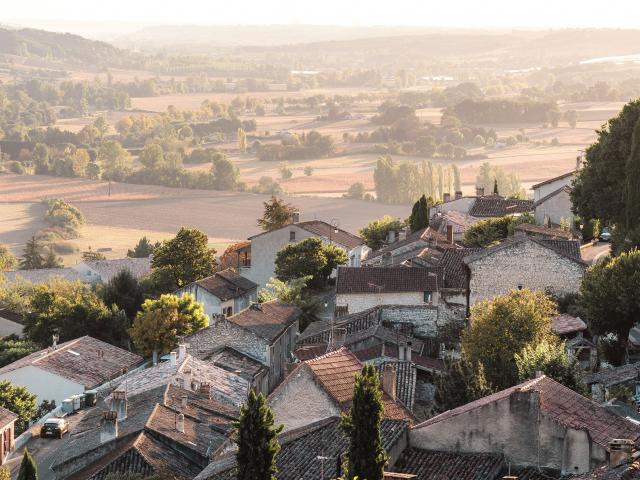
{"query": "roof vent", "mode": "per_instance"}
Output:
(620, 451)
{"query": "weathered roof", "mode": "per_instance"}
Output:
(566, 248)
(406, 376)
(42, 275)
(107, 269)
(561, 404)
(6, 417)
(85, 360)
(382, 351)
(325, 230)
(423, 236)
(227, 284)
(543, 231)
(605, 472)
(233, 360)
(554, 179)
(386, 279)
(298, 457)
(434, 465)
(454, 269)
(564, 324)
(497, 206)
(267, 320)
(614, 375)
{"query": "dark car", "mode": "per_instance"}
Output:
(605, 235)
(54, 427)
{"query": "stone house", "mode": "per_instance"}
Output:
(70, 368)
(553, 266)
(266, 245)
(536, 423)
(7, 428)
(407, 247)
(264, 333)
(323, 387)
(223, 293)
(361, 288)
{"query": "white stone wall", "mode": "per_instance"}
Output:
(555, 208)
(358, 302)
(44, 385)
(300, 401)
(545, 190)
(212, 305)
(526, 265)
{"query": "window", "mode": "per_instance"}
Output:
(228, 311)
(520, 286)
(428, 297)
(292, 236)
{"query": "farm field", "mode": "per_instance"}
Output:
(117, 222)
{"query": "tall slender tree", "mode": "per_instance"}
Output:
(28, 469)
(32, 255)
(419, 214)
(632, 193)
(366, 456)
(257, 440)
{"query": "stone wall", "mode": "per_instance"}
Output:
(555, 208)
(523, 265)
(358, 302)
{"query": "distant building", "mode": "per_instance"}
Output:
(223, 293)
(7, 428)
(552, 201)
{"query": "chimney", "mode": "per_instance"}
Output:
(446, 197)
(108, 426)
(391, 236)
(182, 351)
(382, 350)
(55, 337)
(479, 191)
(173, 358)
(389, 380)
(186, 379)
(205, 389)
(119, 404)
(620, 451)
(295, 218)
(450, 234)
(458, 195)
(183, 401)
(180, 422)
(407, 352)
(402, 234)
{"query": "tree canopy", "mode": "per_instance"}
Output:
(376, 232)
(277, 214)
(18, 400)
(461, 383)
(419, 218)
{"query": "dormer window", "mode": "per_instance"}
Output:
(292, 236)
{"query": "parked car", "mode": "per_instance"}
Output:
(54, 427)
(605, 235)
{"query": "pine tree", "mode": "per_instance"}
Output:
(32, 255)
(419, 218)
(257, 440)
(51, 260)
(632, 194)
(28, 469)
(366, 456)
(495, 186)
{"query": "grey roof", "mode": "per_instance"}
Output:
(454, 268)
(420, 238)
(267, 320)
(387, 279)
(615, 375)
(107, 269)
(551, 180)
(566, 248)
(497, 206)
(42, 275)
(434, 465)
(227, 284)
(405, 380)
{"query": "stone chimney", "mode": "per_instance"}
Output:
(389, 380)
(458, 195)
(620, 450)
(446, 197)
(182, 352)
(54, 343)
(479, 191)
(407, 352)
(180, 422)
(119, 404)
(108, 426)
(391, 236)
(450, 234)
(186, 378)
(295, 218)
(402, 234)
(205, 389)
(184, 400)
(173, 358)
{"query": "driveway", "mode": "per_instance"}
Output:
(596, 253)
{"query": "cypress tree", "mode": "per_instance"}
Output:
(28, 469)
(419, 215)
(632, 194)
(495, 186)
(366, 456)
(257, 440)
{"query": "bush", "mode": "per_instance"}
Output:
(15, 167)
(63, 248)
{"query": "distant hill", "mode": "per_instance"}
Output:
(58, 46)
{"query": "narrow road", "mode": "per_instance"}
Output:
(596, 253)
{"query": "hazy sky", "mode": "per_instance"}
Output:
(447, 13)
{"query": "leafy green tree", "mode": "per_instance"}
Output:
(550, 358)
(632, 195)
(356, 191)
(384, 178)
(277, 214)
(309, 257)
(143, 249)
(294, 292)
(461, 383)
(487, 232)
(242, 140)
(18, 400)
(225, 174)
(28, 469)
(101, 125)
(124, 291)
(376, 232)
(501, 327)
(185, 258)
(419, 218)
(160, 322)
(115, 161)
(152, 156)
(8, 260)
(32, 257)
(609, 296)
(40, 159)
(366, 457)
(12, 348)
(257, 440)
(571, 116)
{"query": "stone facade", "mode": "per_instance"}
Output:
(543, 189)
(555, 209)
(522, 264)
(359, 302)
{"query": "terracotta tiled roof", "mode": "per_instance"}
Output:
(497, 206)
(562, 405)
(85, 360)
(323, 229)
(564, 323)
(6, 417)
(543, 231)
(386, 279)
(454, 269)
(267, 320)
(227, 284)
(432, 465)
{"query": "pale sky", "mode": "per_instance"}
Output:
(436, 13)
